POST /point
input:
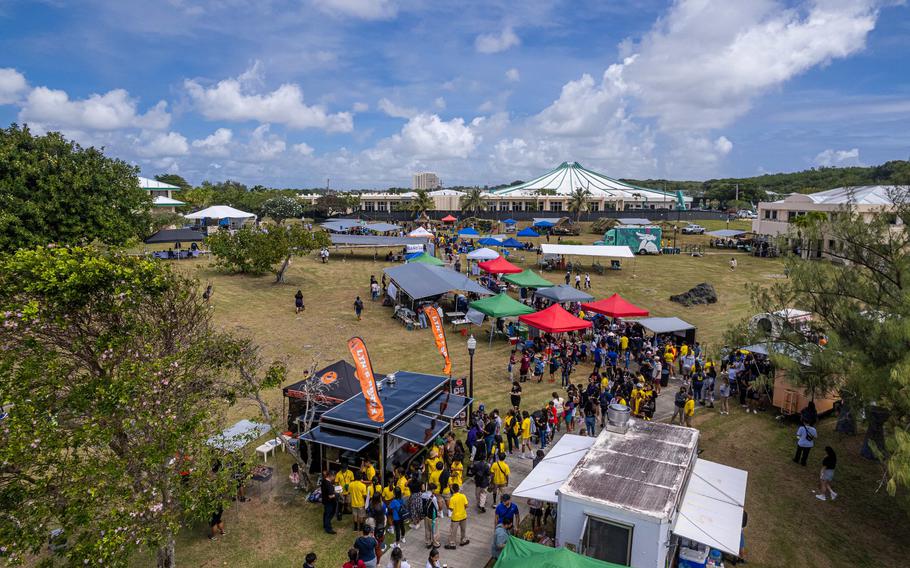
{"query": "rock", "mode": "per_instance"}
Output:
(702, 294)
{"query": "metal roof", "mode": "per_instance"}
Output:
(409, 390)
(424, 281)
(150, 184)
(664, 325)
(642, 471)
(634, 221)
(859, 195)
(370, 240)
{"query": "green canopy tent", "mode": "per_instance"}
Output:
(500, 306)
(523, 554)
(425, 258)
(528, 279)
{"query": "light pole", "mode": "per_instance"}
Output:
(472, 346)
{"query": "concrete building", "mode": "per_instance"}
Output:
(162, 195)
(426, 180)
(775, 218)
(443, 200)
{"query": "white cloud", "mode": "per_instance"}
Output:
(361, 107)
(160, 145)
(428, 137)
(215, 144)
(363, 9)
(227, 100)
(494, 43)
(439, 103)
(703, 63)
(12, 85)
(303, 149)
(584, 107)
(486, 106)
(723, 145)
(113, 110)
(265, 146)
(513, 75)
(394, 110)
(831, 157)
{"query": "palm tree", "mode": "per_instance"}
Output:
(808, 228)
(421, 203)
(472, 200)
(578, 201)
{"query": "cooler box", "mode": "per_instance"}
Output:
(690, 558)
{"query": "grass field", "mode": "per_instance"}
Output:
(788, 526)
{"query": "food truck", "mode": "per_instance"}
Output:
(641, 239)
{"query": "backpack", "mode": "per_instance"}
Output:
(428, 507)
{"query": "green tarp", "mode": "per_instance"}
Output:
(528, 279)
(523, 554)
(427, 259)
(501, 306)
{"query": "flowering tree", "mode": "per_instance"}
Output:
(114, 377)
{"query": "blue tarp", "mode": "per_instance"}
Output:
(489, 242)
(468, 232)
(528, 232)
(512, 243)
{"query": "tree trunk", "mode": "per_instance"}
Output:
(279, 277)
(166, 553)
(875, 432)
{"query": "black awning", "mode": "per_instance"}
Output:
(174, 235)
(446, 405)
(337, 439)
(420, 429)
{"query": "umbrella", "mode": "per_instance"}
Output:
(483, 254)
(512, 243)
(528, 232)
(615, 307)
(510, 221)
(554, 320)
(499, 266)
(468, 232)
(490, 242)
(528, 279)
(562, 294)
(424, 258)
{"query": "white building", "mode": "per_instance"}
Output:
(426, 180)
(162, 195)
(774, 218)
(443, 200)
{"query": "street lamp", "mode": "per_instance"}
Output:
(472, 346)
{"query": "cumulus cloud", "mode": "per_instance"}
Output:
(703, 64)
(833, 158)
(513, 75)
(362, 9)
(303, 149)
(394, 110)
(12, 85)
(427, 136)
(160, 145)
(361, 107)
(113, 110)
(229, 100)
(265, 146)
(722, 145)
(215, 144)
(494, 43)
(584, 106)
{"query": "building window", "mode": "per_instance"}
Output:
(516, 206)
(556, 206)
(160, 193)
(381, 206)
(594, 207)
(369, 206)
(607, 540)
(791, 215)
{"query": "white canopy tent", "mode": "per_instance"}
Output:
(712, 508)
(483, 254)
(220, 212)
(588, 250)
(420, 232)
(554, 469)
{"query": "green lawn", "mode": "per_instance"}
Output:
(786, 519)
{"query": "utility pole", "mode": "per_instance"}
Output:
(737, 193)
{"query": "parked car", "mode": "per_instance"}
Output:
(746, 214)
(693, 229)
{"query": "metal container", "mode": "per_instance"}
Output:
(618, 418)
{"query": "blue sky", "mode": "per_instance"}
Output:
(366, 92)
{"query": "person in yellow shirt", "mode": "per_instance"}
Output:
(525, 434)
(684, 350)
(388, 492)
(458, 507)
(432, 461)
(434, 476)
(689, 410)
(623, 343)
(636, 399)
(357, 490)
(366, 466)
(457, 472)
(402, 483)
(344, 478)
(500, 470)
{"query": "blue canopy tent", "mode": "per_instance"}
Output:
(544, 224)
(528, 232)
(512, 243)
(489, 242)
(510, 221)
(468, 232)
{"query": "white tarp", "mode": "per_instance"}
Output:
(712, 508)
(220, 212)
(483, 254)
(588, 250)
(554, 469)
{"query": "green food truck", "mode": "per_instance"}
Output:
(641, 239)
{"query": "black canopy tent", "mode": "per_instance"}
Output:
(338, 383)
(680, 330)
(418, 408)
(175, 235)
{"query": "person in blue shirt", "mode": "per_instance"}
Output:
(397, 509)
(613, 356)
(506, 511)
(366, 548)
(500, 538)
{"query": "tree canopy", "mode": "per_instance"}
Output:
(116, 378)
(254, 251)
(281, 207)
(54, 191)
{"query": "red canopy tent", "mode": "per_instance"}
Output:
(499, 266)
(615, 307)
(554, 320)
(448, 219)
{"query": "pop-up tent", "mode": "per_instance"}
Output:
(483, 254)
(528, 232)
(562, 294)
(420, 232)
(512, 243)
(520, 553)
(615, 307)
(468, 232)
(499, 266)
(424, 258)
(220, 212)
(510, 221)
(425, 281)
(528, 279)
(554, 320)
(448, 219)
(501, 306)
(490, 242)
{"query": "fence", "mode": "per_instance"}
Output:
(651, 214)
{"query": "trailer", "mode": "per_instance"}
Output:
(642, 240)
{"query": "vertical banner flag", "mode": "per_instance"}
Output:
(364, 370)
(440, 335)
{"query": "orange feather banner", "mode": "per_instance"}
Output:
(439, 334)
(364, 370)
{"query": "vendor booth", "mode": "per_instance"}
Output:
(680, 330)
(498, 307)
(528, 279)
(418, 409)
(787, 397)
(641, 497)
(523, 554)
(615, 307)
(328, 387)
(414, 282)
(562, 294)
(554, 320)
(221, 216)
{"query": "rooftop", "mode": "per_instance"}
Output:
(858, 195)
(642, 471)
(150, 184)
